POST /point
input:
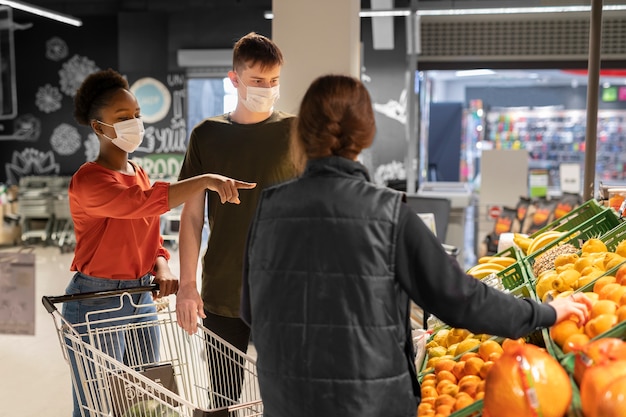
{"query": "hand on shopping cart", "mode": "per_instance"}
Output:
(228, 188)
(189, 307)
(163, 276)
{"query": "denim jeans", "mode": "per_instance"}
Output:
(140, 348)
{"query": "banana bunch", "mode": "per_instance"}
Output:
(531, 245)
(490, 265)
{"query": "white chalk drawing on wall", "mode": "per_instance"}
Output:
(170, 139)
(65, 139)
(27, 128)
(92, 147)
(394, 109)
(74, 72)
(30, 161)
(56, 49)
(153, 97)
(161, 165)
(48, 98)
(394, 170)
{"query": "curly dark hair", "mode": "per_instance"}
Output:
(94, 94)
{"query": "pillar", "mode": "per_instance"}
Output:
(317, 38)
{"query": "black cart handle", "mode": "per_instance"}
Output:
(49, 302)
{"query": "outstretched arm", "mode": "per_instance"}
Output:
(227, 188)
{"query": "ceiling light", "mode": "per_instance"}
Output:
(40, 11)
(483, 11)
(474, 72)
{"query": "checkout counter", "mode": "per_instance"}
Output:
(452, 205)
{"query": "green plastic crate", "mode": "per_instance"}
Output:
(613, 237)
(574, 218)
(511, 252)
(595, 227)
(515, 275)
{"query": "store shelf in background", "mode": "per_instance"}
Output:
(574, 218)
(558, 136)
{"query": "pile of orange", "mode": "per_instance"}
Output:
(608, 309)
(456, 383)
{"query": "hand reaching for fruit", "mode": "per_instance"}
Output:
(578, 305)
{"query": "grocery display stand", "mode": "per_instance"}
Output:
(590, 220)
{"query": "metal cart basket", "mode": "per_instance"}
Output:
(181, 377)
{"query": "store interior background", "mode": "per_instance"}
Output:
(142, 39)
(155, 44)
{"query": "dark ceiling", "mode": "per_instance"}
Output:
(80, 8)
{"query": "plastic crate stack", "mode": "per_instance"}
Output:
(35, 209)
(590, 220)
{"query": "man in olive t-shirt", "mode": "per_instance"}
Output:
(251, 143)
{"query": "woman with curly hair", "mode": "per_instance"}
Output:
(116, 211)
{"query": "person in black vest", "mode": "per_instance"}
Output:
(331, 263)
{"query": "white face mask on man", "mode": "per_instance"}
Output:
(260, 99)
(129, 134)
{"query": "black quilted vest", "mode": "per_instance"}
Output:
(327, 317)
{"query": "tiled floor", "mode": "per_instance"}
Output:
(34, 377)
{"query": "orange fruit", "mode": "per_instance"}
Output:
(467, 378)
(429, 391)
(617, 294)
(462, 401)
(469, 387)
(575, 342)
(485, 369)
(428, 377)
(473, 365)
(442, 384)
(608, 289)
(443, 410)
(423, 408)
(621, 314)
(457, 371)
(444, 365)
(600, 324)
(429, 400)
(449, 389)
(488, 347)
(446, 375)
(512, 342)
(562, 330)
(468, 355)
(603, 307)
(444, 399)
(601, 282)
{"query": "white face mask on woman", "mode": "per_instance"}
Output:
(260, 99)
(129, 134)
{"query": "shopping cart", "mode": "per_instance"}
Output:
(184, 377)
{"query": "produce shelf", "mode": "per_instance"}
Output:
(599, 225)
(574, 218)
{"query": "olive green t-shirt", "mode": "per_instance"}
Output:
(257, 152)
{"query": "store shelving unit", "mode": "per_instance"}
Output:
(553, 136)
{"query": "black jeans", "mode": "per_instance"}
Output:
(226, 371)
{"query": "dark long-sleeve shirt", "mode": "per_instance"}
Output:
(435, 281)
